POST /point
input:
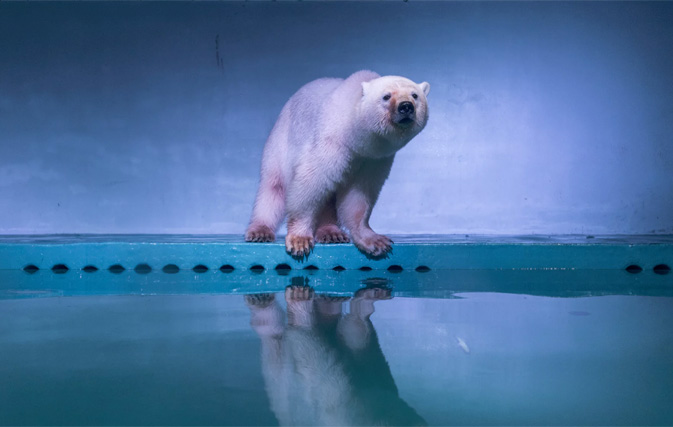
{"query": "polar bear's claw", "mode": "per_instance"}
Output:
(299, 246)
(331, 234)
(376, 245)
(259, 233)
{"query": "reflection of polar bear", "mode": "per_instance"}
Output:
(325, 368)
(328, 155)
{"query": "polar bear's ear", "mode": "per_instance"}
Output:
(426, 88)
(365, 85)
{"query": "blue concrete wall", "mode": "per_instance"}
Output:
(151, 118)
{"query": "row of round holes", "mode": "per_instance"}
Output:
(281, 268)
(172, 268)
(659, 269)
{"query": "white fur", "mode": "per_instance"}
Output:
(328, 156)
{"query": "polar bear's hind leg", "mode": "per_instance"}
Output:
(269, 209)
(328, 228)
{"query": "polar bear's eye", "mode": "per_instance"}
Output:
(386, 97)
(413, 95)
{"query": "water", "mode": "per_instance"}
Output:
(472, 358)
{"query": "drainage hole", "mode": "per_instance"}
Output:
(116, 269)
(395, 268)
(283, 269)
(257, 268)
(422, 268)
(339, 268)
(60, 269)
(634, 269)
(226, 268)
(90, 269)
(169, 269)
(365, 268)
(662, 269)
(200, 269)
(142, 268)
(30, 268)
(311, 268)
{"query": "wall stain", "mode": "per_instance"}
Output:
(218, 59)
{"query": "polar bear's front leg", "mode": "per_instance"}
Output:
(299, 240)
(356, 201)
(301, 219)
(315, 180)
(306, 196)
(364, 238)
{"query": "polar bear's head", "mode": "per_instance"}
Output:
(395, 107)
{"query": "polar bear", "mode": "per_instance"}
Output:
(328, 156)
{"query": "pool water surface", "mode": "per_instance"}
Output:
(307, 356)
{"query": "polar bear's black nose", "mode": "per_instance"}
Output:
(405, 108)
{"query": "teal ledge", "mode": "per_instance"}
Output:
(419, 265)
(409, 252)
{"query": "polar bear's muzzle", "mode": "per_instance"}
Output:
(405, 113)
(405, 108)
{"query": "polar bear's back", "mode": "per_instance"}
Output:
(316, 106)
(305, 109)
(314, 93)
(296, 129)
(323, 106)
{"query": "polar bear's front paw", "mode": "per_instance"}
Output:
(259, 233)
(375, 245)
(298, 246)
(331, 234)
